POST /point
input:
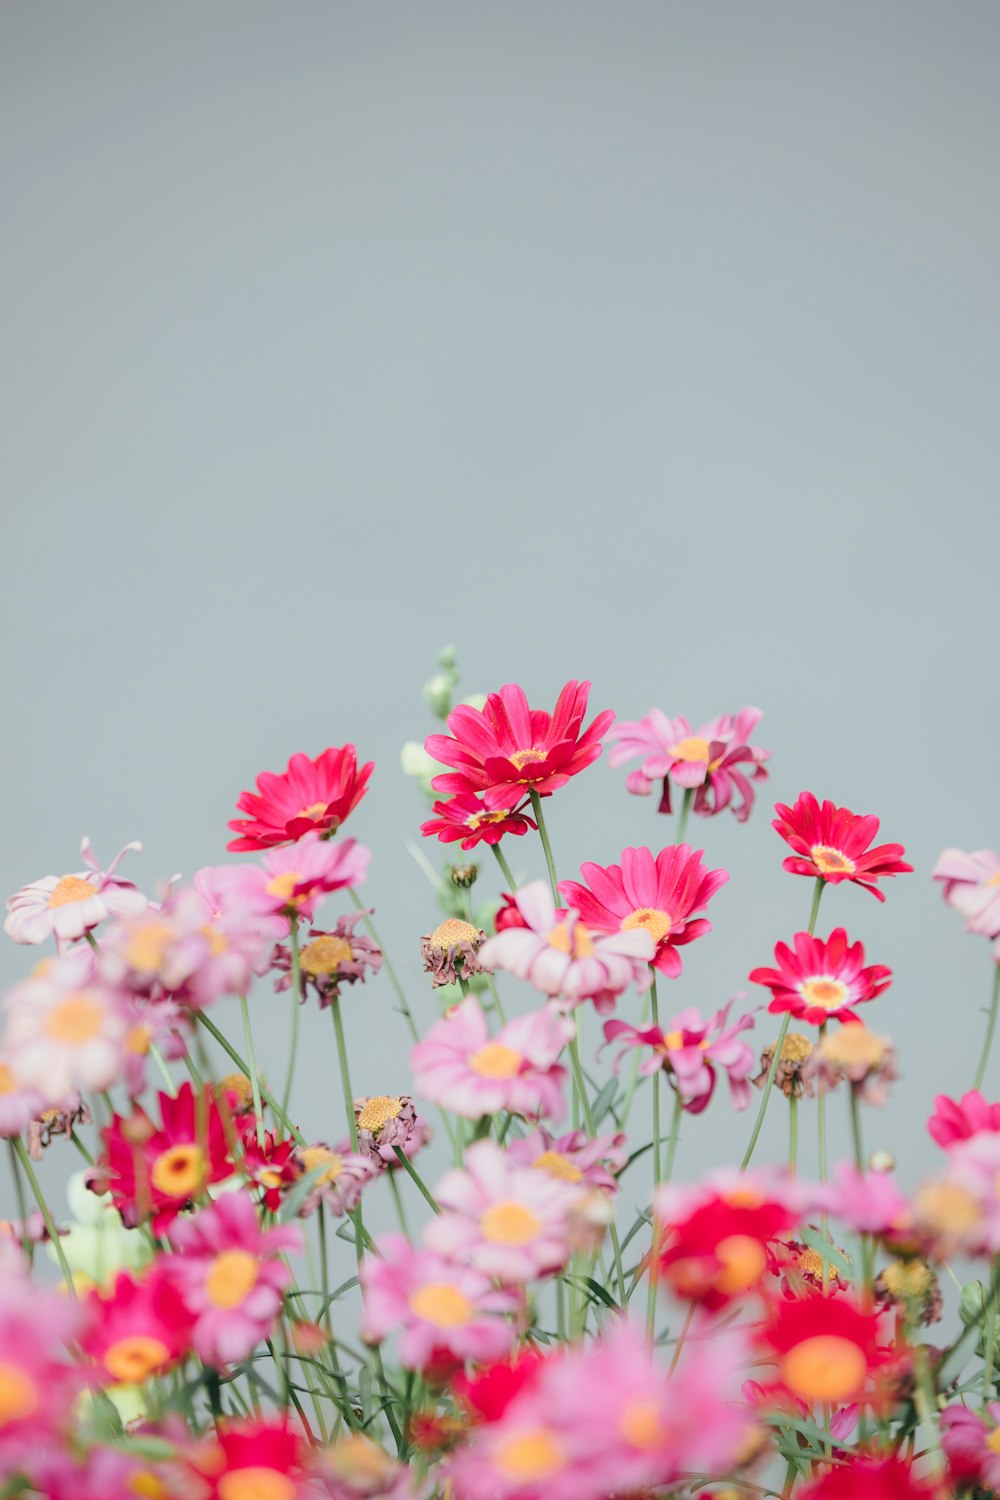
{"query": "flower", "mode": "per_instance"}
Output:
(385, 1122)
(43, 1129)
(951, 1122)
(38, 1385)
(159, 1023)
(971, 1443)
(801, 1267)
(790, 1076)
(355, 1468)
(341, 1176)
(70, 905)
(821, 981)
(868, 1202)
(507, 748)
(311, 795)
(19, 1102)
(231, 1276)
(331, 958)
(291, 882)
(458, 1065)
(451, 950)
(573, 1158)
(689, 1054)
(270, 1165)
(506, 1221)
(716, 761)
(256, 1461)
(62, 1034)
(138, 1329)
(913, 1287)
(714, 1238)
(831, 844)
(972, 886)
(467, 817)
(560, 957)
(657, 895)
(825, 1347)
(865, 1478)
(434, 1305)
(867, 1061)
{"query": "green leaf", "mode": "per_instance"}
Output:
(830, 1253)
(604, 1103)
(299, 1193)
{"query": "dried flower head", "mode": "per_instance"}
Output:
(789, 1076)
(53, 1122)
(385, 1122)
(452, 949)
(912, 1286)
(852, 1052)
(328, 960)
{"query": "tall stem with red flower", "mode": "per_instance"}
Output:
(990, 1027)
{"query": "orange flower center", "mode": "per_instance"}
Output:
(530, 1457)
(179, 1171)
(378, 1111)
(232, 1278)
(854, 1045)
(134, 1359)
(313, 1157)
(495, 1060)
(441, 1304)
(522, 758)
(216, 938)
(743, 1263)
(571, 938)
(139, 1038)
(655, 922)
(947, 1208)
(830, 861)
(509, 1223)
(147, 947)
(282, 887)
(314, 812)
(993, 1441)
(8, 1083)
(75, 1020)
(640, 1424)
(69, 889)
(994, 879)
(558, 1166)
(19, 1395)
(324, 955)
(452, 932)
(255, 1483)
(824, 1368)
(829, 994)
(147, 1484)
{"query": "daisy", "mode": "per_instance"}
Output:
(459, 1066)
(342, 1175)
(452, 949)
(573, 1158)
(657, 895)
(689, 1054)
(951, 1122)
(972, 886)
(138, 1329)
(971, 1442)
(466, 816)
(38, 1385)
(150, 1170)
(825, 1348)
(62, 1035)
(310, 795)
(507, 749)
(831, 844)
(291, 882)
(67, 906)
(715, 1240)
(386, 1121)
(821, 981)
(866, 1061)
(716, 761)
(256, 1460)
(864, 1478)
(19, 1102)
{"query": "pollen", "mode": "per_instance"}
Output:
(657, 923)
(69, 889)
(558, 1166)
(824, 1368)
(907, 1279)
(854, 1046)
(509, 1223)
(378, 1111)
(831, 861)
(692, 749)
(313, 1157)
(810, 1263)
(19, 1395)
(282, 887)
(239, 1085)
(530, 1457)
(522, 758)
(452, 932)
(571, 938)
(743, 1263)
(441, 1304)
(232, 1277)
(75, 1020)
(829, 994)
(139, 1038)
(147, 947)
(134, 1359)
(179, 1172)
(796, 1048)
(8, 1083)
(641, 1426)
(313, 812)
(495, 1060)
(324, 955)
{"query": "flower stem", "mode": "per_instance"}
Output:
(990, 1028)
(33, 1183)
(22, 1207)
(684, 814)
(654, 1002)
(405, 1162)
(296, 992)
(859, 1154)
(245, 1067)
(393, 976)
(536, 805)
(258, 1108)
(397, 1199)
(504, 868)
(160, 1062)
(345, 1076)
(793, 1134)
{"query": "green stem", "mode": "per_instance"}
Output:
(505, 869)
(684, 814)
(160, 1062)
(793, 1134)
(580, 1086)
(22, 1207)
(406, 1163)
(258, 1108)
(496, 998)
(674, 1137)
(859, 1155)
(245, 1067)
(33, 1183)
(345, 1076)
(675, 1130)
(655, 1003)
(293, 1045)
(536, 805)
(990, 1028)
(393, 976)
(989, 1348)
(821, 1119)
(397, 1199)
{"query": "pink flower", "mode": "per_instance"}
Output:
(507, 749)
(974, 1169)
(434, 1305)
(971, 1443)
(821, 981)
(19, 1102)
(573, 1158)
(657, 895)
(560, 957)
(458, 1066)
(466, 816)
(293, 881)
(867, 1202)
(831, 844)
(951, 1123)
(690, 1055)
(341, 1177)
(62, 1034)
(972, 886)
(138, 1329)
(311, 795)
(507, 1221)
(230, 1275)
(717, 760)
(70, 905)
(159, 1023)
(38, 1383)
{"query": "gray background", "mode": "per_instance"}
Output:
(650, 343)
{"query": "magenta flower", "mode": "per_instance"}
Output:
(573, 1158)
(690, 1055)
(831, 844)
(230, 1275)
(951, 1123)
(435, 1306)
(310, 795)
(38, 1383)
(867, 1202)
(971, 1442)
(717, 761)
(459, 1066)
(972, 886)
(67, 906)
(656, 895)
(466, 816)
(821, 981)
(563, 959)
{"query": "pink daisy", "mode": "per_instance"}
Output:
(867, 1202)
(159, 1023)
(459, 1066)
(310, 795)
(690, 1054)
(292, 882)
(67, 906)
(717, 761)
(341, 1175)
(62, 1034)
(951, 1123)
(19, 1102)
(972, 886)
(507, 1221)
(971, 1442)
(466, 816)
(231, 1276)
(658, 895)
(831, 844)
(507, 748)
(573, 1158)
(138, 1329)
(435, 1306)
(560, 956)
(821, 981)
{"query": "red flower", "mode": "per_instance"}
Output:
(467, 817)
(272, 1166)
(254, 1459)
(826, 1350)
(139, 1329)
(870, 1479)
(487, 1394)
(719, 1250)
(820, 981)
(951, 1123)
(658, 894)
(831, 843)
(312, 794)
(161, 1171)
(509, 748)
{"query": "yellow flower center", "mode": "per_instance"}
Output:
(654, 921)
(452, 932)
(324, 955)
(139, 1038)
(640, 1424)
(441, 1304)
(314, 812)
(829, 994)
(824, 1368)
(744, 1197)
(74, 1020)
(477, 819)
(993, 1441)
(358, 1458)
(313, 1157)
(282, 887)
(179, 1171)
(495, 1060)
(19, 1396)
(240, 1085)
(255, 1483)
(530, 1457)
(509, 1223)
(673, 1041)
(571, 938)
(69, 889)
(947, 1208)
(831, 861)
(796, 1048)
(216, 939)
(232, 1278)
(854, 1045)
(994, 879)
(8, 1082)
(147, 946)
(134, 1359)
(743, 1263)
(691, 749)
(147, 1484)
(558, 1166)
(522, 758)
(378, 1111)
(908, 1278)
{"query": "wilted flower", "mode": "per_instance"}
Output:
(451, 950)
(912, 1286)
(385, 1122)
(331, 958)
(342, 1174)
(53, 1122)
(791, 1075)
(867, 1061)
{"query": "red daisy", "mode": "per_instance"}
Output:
(826, 1349)
(140, 1328)
(657, 894)
(312, 794)
(718, 1250)
(255, 1461)
(819, 981)
(467, 817)
(272, 1166)
(831, 843)
(864, 1478)
(508, 748)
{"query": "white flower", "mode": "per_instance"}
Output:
(70, 905)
